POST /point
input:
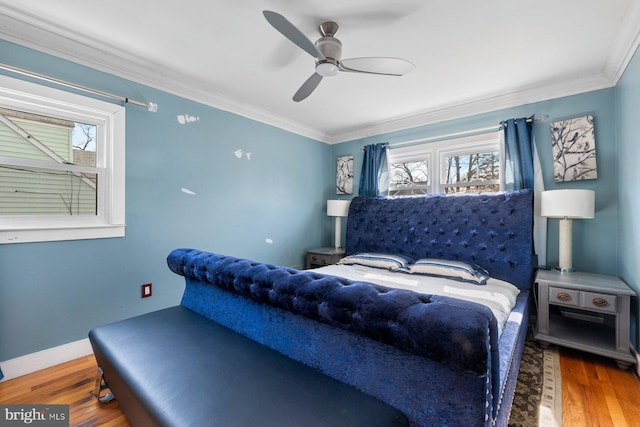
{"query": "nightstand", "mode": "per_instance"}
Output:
(585, 311)
(323, 256)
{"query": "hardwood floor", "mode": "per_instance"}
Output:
(73, 384)
(594, 392)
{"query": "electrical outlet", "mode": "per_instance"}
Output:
(146, 290)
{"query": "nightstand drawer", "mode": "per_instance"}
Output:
(599, 302)
(320, 259)
(569, 297)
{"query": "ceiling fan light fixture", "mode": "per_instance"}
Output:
(327, 68)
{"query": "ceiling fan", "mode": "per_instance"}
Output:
(327, 52)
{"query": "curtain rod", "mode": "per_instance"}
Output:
(459, 134)
(151, 106)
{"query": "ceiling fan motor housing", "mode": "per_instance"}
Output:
(331, 48)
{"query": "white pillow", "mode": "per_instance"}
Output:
(378, 260)
(456, 270)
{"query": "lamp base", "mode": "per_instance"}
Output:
(338, 233)
(565, 269)
(565, 245)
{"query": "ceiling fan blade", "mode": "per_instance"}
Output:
(307, 87)
(290, 31)
(373, 65)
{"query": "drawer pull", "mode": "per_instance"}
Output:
(562, 296)
(600, 302)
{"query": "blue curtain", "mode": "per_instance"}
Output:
(518, 150)
(520, 166)
(374, 174)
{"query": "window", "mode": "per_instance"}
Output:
(61, 165)
(409, 171)
(462, 165)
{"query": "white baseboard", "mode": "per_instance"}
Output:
(33, 362)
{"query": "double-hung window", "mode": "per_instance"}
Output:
(463, 165)
(62, 165)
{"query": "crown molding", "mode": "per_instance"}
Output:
(626, 43)
(484, 105)
(37, 34)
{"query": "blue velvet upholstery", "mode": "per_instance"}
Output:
(493, 230)
(449, 330)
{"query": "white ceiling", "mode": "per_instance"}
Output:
(471, 56)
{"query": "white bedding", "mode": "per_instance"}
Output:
(499, 296)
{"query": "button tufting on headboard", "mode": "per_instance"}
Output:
(494, 230)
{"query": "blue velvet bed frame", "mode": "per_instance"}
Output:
(437, 359)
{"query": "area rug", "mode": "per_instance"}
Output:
(537, 401)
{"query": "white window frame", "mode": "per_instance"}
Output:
(436, 152)
(414, 153)
(109, 119)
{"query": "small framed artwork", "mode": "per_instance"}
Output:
(344, 175)
(574, 149)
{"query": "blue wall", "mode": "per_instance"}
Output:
(54, 293)
(627, 107)
(595, 241)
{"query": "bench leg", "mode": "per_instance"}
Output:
(101, 385)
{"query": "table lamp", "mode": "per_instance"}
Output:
(567, 205)
(338, 209)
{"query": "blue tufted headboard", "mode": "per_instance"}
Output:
(494, 230)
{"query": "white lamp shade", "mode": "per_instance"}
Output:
(338, 207)
(567, 204)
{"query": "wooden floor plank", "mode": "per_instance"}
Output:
(614, 405)
(73, 384)
(627, 389)
(572, 402)
(595, 392)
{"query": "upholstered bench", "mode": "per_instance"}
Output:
(175, 368)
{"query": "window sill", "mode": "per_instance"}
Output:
(61, 234)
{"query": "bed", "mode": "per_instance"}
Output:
(438, 358)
